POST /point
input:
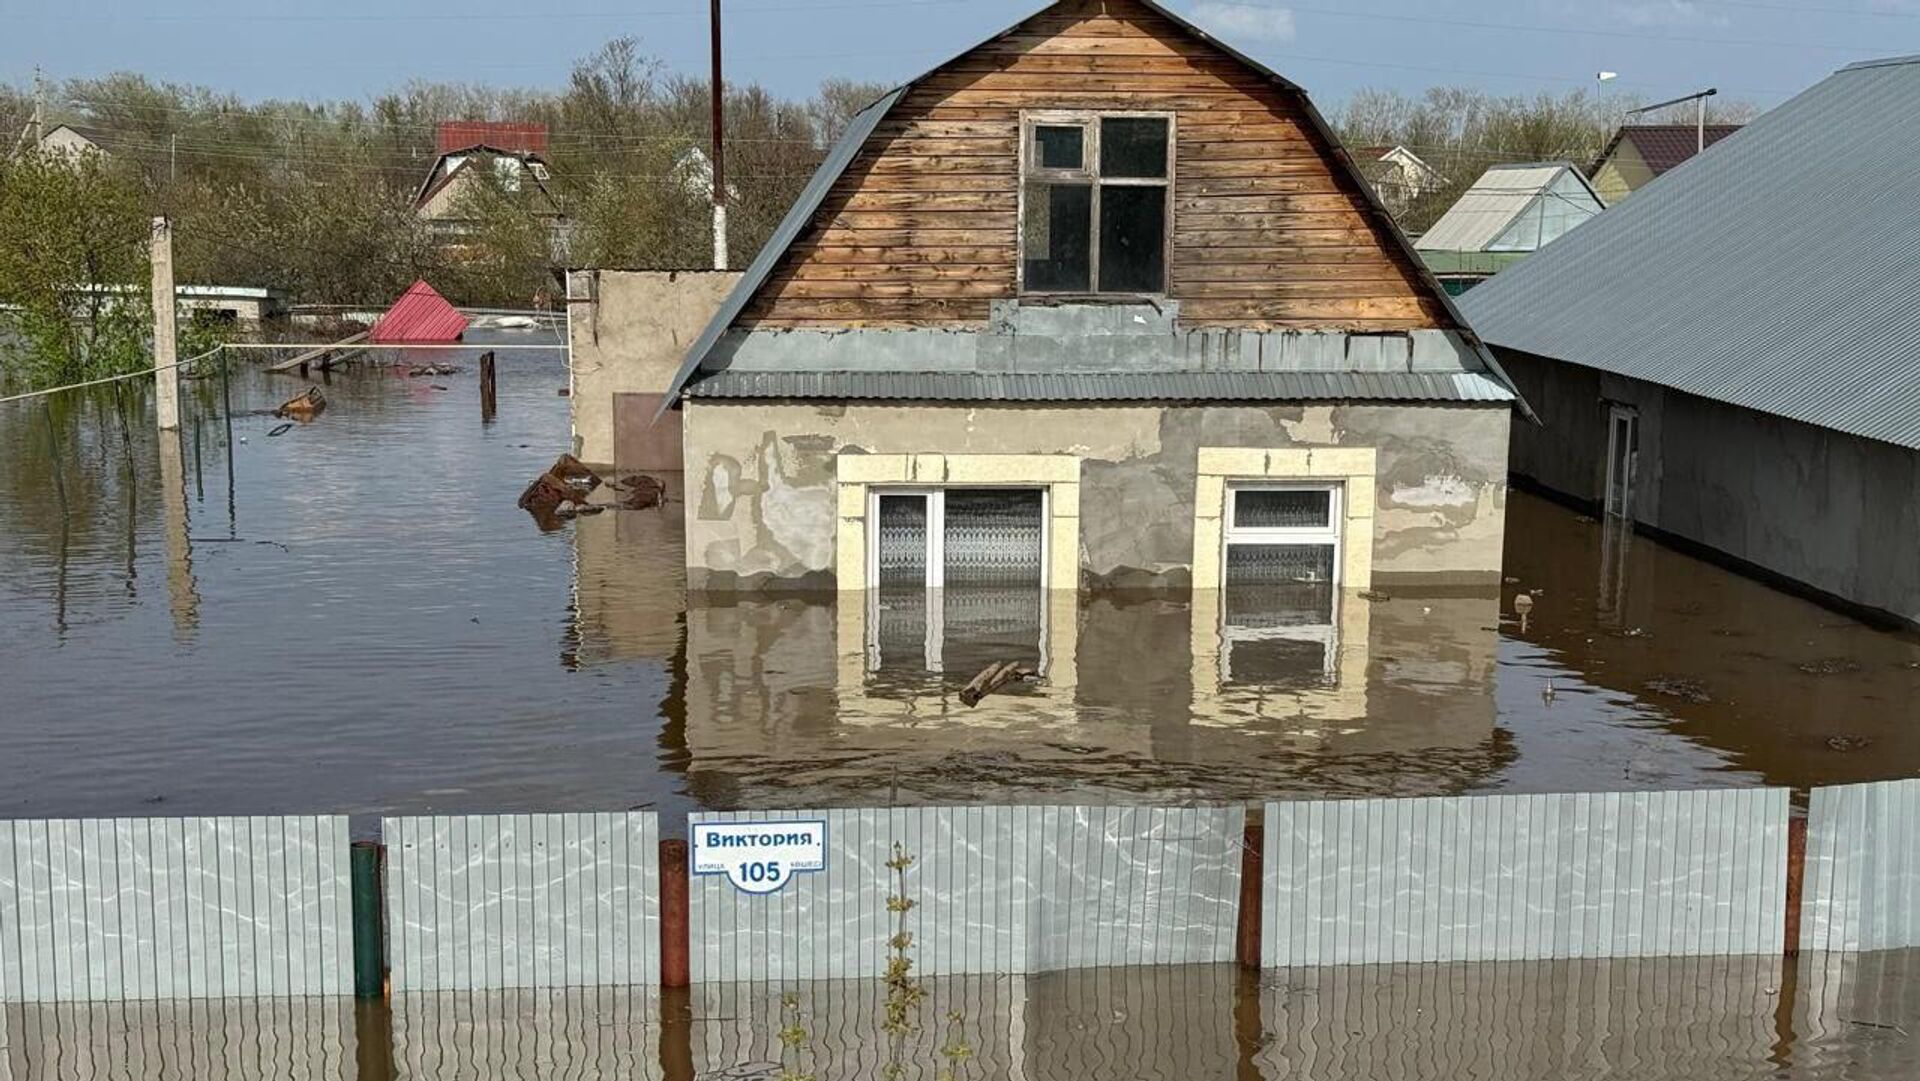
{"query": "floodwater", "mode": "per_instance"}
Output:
(353, 617)
(1682, 1019)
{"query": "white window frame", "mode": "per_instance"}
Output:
(1617, 413)
(936, 575)
(1233, 533)
(1088, 120)
(1327, 634)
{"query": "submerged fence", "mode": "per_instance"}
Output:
(483, 902)
(109, 909)
(261, 907)
(1521, 878)
(991, 889)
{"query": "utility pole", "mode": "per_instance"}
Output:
(166, 377)
(719, 151)
(1700, 114)
(35, 129)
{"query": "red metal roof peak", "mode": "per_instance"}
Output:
(420, 316)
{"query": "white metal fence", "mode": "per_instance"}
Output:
(1861, 889)
(497, 901)
(1503, 878)
(113, 909)
(993, 889)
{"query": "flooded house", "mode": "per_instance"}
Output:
(1727, 359)
(1098, 303)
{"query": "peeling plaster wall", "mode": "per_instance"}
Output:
(761, 496)
(627, 331)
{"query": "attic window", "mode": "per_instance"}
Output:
(1094, 202)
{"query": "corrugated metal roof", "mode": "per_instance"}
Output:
(420, 316)
(1105, 386)
(838, 158)
(1494, 202)
(1777, 271)
(843, 152)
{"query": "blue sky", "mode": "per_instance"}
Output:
(1759, 50)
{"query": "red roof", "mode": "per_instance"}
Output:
(1663, 146)
(512, 138)
(420, 316)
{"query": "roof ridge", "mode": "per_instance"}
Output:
(1883, 62)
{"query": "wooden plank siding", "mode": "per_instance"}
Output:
(1268, 231)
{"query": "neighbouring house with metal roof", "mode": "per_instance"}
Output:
(1731, 358)
(1509, 213)
(1099, 302)
(510, 157)
(1639, 152)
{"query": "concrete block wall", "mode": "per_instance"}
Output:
(764, 487)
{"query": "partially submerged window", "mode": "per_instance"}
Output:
(959, 578)
(1094, 203)
(1280, 584)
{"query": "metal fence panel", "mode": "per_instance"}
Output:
(484, 902)
(233, 1039)
(103, 910)
(526, 1033)
(1618, 874)
(1861, 889)
(994, 890)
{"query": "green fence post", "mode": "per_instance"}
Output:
(369, 944)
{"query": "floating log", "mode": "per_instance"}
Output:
(992, 678)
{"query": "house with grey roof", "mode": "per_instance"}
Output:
(1731, 358)
(1044, 317)
(1510, 212)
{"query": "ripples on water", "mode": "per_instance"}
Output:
(1691, 1019)
(353, 617)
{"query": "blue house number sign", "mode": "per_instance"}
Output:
(759, 857)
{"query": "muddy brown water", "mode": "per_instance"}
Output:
(1690, 1019)
(353, 617)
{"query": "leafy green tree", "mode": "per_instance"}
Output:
(74, 235)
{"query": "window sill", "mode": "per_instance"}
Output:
(1054, 300)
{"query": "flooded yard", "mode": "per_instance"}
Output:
(1683, 1019)
(354, 617)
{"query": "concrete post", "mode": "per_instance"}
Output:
(166, 376)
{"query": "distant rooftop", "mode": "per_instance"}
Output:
(1663, 146)
(1776, 271)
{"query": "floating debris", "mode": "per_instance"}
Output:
(303, 407)
(280, 429)
(1687, 690)
(1829, 666)
(559, 493)
(1848, 743)
(432, 369)
(641, 492)
(1376, 595)
(992, 678)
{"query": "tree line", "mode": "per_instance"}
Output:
(317, 198)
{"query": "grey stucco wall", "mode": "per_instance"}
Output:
(1830, 510)
(627, 331)
(761, 479)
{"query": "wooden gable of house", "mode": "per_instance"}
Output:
(1270, 227)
